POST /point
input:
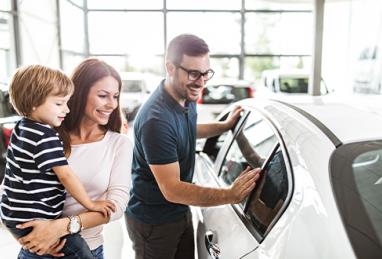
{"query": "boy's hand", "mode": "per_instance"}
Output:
(103, 206)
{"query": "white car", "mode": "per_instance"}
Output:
(320, 195)
(367, 72)
(136, 88)
(292, 81)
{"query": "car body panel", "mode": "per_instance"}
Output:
(207, 215)
(312, 207)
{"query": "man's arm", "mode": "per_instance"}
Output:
(208, 130)
(177, 191)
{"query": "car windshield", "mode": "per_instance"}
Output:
(133, 86)
(356, 172)
(224, 94)
(294, 85)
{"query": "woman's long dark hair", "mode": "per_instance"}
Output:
(84, 76)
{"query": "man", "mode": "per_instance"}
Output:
(158, 217)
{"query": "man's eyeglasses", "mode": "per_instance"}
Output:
(194, 75)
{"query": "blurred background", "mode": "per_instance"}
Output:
(258, 47)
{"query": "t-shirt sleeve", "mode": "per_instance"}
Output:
(49, 152)
(159, 142)
(120, 177)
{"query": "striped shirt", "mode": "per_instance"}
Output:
(31, 189)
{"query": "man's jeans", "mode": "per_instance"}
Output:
(166, 241)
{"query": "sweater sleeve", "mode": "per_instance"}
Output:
(120, 177)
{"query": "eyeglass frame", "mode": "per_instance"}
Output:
(201, 74)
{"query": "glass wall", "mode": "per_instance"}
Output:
(352, 57)
(7, 46)
(38, 35)
(245, 37)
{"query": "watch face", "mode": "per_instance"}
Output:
(74, 225)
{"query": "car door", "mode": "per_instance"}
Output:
(235, 231)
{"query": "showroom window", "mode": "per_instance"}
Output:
(7, 49)
(135, 34)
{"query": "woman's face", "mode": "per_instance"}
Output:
(102, 100)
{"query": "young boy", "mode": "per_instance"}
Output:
(37, 172)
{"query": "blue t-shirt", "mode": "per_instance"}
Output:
(164, 132)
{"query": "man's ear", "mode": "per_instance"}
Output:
(170, 67)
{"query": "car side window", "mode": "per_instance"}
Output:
(214, 144)
(252, 144)
(268, 197)
(256, 145)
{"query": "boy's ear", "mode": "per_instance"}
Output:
(33, 108)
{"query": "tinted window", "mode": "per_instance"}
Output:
(270, 194)
(224, 94)
(294, 85)
(356, 172)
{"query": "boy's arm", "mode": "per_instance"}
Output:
(73, 185)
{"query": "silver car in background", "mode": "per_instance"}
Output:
(136, 88)
(320, 195)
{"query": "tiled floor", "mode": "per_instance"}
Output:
(117, 243)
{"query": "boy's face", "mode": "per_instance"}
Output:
(52, 111)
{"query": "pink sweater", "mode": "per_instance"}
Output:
(104, 168)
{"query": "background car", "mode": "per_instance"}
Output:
(367, 71)
(293, 81)
(8, 119)
(136, 87)
(218, 93)
(320, 193)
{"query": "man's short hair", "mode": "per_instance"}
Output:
(32, 84)
(185, 44)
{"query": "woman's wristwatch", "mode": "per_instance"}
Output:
(75, 224)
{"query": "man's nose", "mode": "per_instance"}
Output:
(201, 81)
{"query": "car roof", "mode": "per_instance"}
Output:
(350, 119)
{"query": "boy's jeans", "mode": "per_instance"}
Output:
(75, 246)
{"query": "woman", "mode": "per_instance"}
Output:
(98, 153)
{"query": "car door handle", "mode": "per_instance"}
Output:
(212, 247)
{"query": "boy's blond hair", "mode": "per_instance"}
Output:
(32, 84)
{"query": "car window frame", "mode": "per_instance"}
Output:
(211, 142)
(218, 163)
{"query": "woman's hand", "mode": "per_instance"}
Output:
(45, 235)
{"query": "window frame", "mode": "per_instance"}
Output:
(222, 153)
